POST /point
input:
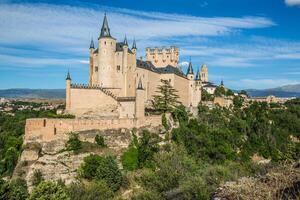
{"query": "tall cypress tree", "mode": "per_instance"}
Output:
(166, 99)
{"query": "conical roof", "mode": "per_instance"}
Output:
(105, 31)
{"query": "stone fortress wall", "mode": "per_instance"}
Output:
(50, 129)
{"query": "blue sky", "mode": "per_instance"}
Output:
(247, 43)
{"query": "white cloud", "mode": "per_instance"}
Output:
(184, 64)
(292, 2)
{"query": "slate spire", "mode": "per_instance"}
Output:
(134, 44)
(198, 75)
(190, 68)
(105, 31)
(68, 76)
(92, 46)
(125, 41)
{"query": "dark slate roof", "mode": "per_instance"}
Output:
(160, 70)
(208, 84)
(68, 76)
(92, 46)
(190, 69)
(119, 47)
(134, 44)
(105, 31)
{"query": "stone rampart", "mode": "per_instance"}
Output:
(49, 129)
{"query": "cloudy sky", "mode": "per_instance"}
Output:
(247, 43)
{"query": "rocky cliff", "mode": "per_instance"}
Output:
(55, 163)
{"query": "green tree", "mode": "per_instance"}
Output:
(147, 147)
(106, 169)
(73, 144)
(220, 91)
(166, 99)
(11, 159)
(165, 121)
(130, 158)
(205, 96)
(49, 191)
(17, 189)
(99, 140)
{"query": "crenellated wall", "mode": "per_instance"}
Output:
(49, 129)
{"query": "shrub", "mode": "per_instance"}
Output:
(95, 190)
(49, 191)
(106, 169)
(37, 177)
(11, 159)
(73, 144)
(17, 189)
(130, 159)
(100, 140)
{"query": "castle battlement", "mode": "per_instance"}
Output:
(163, 56)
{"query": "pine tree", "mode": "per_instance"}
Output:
(167, 98)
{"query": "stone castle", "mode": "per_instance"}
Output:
(121, 86)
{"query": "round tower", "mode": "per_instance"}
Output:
(106, 57)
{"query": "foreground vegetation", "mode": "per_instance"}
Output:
(190, 161)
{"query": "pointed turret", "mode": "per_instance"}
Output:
(198, 75)
(105, 31)
(222, 83)
(134, 44)
(190, 68)
(68, 76)
(140, 85)
(92, 46)
(125, 41)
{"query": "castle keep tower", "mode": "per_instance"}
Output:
(161, 57)
(106, 56)
(204, 73)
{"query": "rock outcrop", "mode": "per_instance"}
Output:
(55, 163)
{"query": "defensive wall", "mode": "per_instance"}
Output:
(48, 129)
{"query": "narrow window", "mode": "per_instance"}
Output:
(118, 67)
(96, 69)
(54, 130)
(44, 123)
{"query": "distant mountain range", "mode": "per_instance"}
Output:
(34, 93)
(284, 91)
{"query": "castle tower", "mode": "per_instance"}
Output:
(125, 65)
(106, 57)
(140, 101)
(91, 75)
(190, 72)
(204, 73)
(134, 49)
(68, 92)
(161, 57)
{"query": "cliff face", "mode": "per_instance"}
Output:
(51, 159)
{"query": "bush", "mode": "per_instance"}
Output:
(17, 190)
(49, 191)
(73, 144)
(100, 168)
(95, 190)
(100, 140)
(11, 159)
(37, 177)
(130, 159)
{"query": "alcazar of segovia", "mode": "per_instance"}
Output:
(121, 86)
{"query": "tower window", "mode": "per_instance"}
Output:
(105, 42)
(96, 69)
(118, 67)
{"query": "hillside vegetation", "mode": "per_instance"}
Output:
(192, 160)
